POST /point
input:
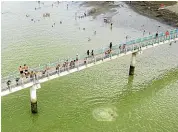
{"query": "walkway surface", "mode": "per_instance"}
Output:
(48, 72)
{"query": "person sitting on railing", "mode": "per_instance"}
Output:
(21, 71)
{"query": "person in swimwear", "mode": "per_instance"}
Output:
(25, 69)
(21, 71)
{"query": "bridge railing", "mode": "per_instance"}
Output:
(46, 70)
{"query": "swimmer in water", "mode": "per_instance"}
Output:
(89, 39)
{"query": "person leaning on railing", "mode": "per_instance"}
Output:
(8, 84)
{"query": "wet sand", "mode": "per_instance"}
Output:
(100, 7)
(150, 9)
(173, 8)
(168, 16)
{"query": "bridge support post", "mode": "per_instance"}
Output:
(132, 65)
(33, 98)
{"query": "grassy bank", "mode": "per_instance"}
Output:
(150, 9)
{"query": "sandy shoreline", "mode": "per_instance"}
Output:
(150, 9)
(168, 16)
(100, 7)
(173, 8)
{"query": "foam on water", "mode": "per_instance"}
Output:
(105, 114)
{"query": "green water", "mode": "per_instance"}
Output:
(99, 99)
(68, 103)
(26, 42)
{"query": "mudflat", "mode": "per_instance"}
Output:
(151, 9)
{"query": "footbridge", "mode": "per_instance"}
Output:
(43, 73)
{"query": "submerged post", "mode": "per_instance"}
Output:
(33, 97)
(132, 65)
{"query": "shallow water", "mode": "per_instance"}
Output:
(26, 42)
(101, 98)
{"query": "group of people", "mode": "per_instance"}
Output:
(90, 54)
(81, 16)
(66, 65)
(166, 34)
(23, 70)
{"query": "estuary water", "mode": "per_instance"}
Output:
(102, 98)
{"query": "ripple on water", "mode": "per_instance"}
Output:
(105, 114)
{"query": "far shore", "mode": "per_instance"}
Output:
(151, 9)
(168, 15)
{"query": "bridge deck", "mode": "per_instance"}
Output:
(99, 57)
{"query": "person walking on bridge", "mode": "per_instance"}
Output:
(88, 53)
(110, 45)
(156, 34)
(77, 57)
(167, 34)
(92, 53)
